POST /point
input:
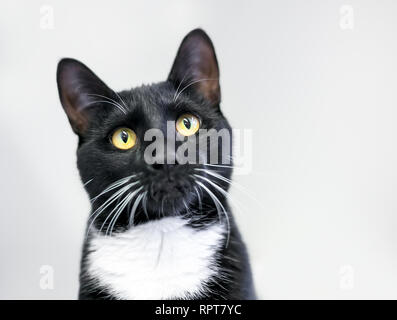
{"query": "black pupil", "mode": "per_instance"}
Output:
(124, 136)
(187, 123)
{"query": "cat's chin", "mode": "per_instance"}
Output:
(173, 203)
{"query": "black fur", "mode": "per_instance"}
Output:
(169, 187)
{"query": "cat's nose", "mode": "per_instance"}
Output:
(164, 166)
(163, 161)
(157, 166)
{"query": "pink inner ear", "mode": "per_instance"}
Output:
(210, 90)
(196, 66)
(210, 87)
(71, 98)
(78, 121)
(76, 85)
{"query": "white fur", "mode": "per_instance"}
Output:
(161, 259)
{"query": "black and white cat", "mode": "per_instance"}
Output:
(157, 229)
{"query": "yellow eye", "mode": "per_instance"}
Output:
(124, 138)
(187, 124)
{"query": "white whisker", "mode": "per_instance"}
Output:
(107, 203)
(144, 204)
(180, 83)
(118, 213)
(188, 213)
(122, 101)
(118, 208)
(192, 83)
(134, 207)
(109, 101)
(222, 191)
(232, 183)
(112, 186)
(87, 182)
(219, 206)
(199, 199)
(218, 165)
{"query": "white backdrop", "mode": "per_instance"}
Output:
(315, 81)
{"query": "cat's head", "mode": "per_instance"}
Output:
(129, 153)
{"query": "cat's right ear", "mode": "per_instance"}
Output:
(79, 90)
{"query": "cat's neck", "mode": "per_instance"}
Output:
(161, 259)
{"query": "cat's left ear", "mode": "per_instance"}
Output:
(196, 67)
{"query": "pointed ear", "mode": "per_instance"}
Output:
(79, 91)
(196, 68)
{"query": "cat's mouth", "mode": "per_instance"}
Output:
(168, 190)
(168, 198)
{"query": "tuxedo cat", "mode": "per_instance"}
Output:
(160, 227)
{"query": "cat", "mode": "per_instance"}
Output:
(157, 229)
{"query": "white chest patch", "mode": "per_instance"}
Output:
(161, 259)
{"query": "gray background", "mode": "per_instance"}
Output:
(321, 101)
